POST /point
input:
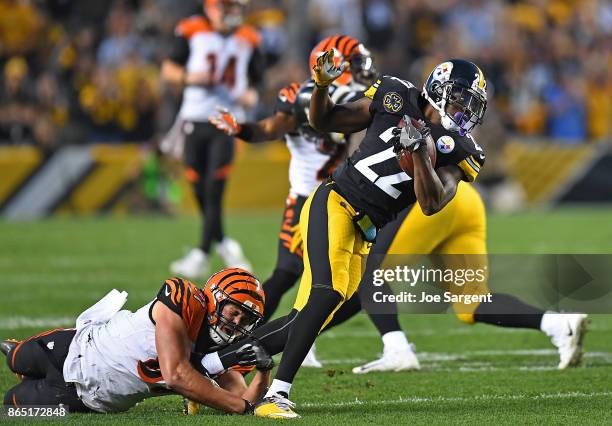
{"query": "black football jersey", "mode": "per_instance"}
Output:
(371, 179)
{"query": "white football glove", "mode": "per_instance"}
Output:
(325, 71)
(225, 121)
(412, 136)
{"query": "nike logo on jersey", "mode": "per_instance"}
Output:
(167, 290)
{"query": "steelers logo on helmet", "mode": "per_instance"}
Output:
(393, 102)
(443, 71)
(457, 90)
(445, 144)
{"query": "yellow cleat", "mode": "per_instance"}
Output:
(190, 408)
(276, 407)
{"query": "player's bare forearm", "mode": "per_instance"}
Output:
(433, 189)
(258, 386)
(325, 116)
(270, 128)
(188, 382)
(234, 382)
(173, 72)
(177, 74)
(173, 352)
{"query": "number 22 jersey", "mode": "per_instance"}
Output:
(372, 179)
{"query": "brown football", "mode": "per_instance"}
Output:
(404, 158)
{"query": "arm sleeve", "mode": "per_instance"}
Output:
(257, 66)
(179, 52)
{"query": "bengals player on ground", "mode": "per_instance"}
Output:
(115, 358)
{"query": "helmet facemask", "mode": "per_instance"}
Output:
(228, 14)
(460, 107)
(362, 66)
(224, 330)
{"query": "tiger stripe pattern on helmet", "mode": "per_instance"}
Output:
(344, 45)
(239, 287)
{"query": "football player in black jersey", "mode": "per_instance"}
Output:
(340, 219)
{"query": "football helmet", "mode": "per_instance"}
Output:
(225, 14)
(347, 49)
(457, 90)
(239, 287)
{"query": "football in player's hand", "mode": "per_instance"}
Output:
(404, 156)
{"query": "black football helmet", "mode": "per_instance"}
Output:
(457, 90)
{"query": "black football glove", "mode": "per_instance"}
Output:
(410, 137)
(253, 353)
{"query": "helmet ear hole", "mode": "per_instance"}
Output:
(436, 88)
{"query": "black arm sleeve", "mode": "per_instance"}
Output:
(257, 65)
(179, 51)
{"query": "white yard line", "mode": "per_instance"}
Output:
(443, 399)
(437, 357)
(17, 322)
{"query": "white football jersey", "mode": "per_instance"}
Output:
(226, 58)
(114, 364)
(310, 163)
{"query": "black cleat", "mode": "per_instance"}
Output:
(7, 345)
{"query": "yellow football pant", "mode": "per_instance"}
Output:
(459, 228)
(334, 250)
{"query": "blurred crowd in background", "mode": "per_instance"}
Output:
(88, 71)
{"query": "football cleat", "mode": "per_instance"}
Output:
(194, 265)
(394, 359)
(7, 345)
(311, 360)
(190, 408)
(276, 407)
(230, 251)
(569, 338)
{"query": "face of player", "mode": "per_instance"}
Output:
(225, 15)
(363, 70)
(464, 109)
(235, 319)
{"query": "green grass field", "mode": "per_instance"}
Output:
(52, 270)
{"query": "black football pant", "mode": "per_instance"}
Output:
(289, 266)
(40, 360)
(208, 156)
